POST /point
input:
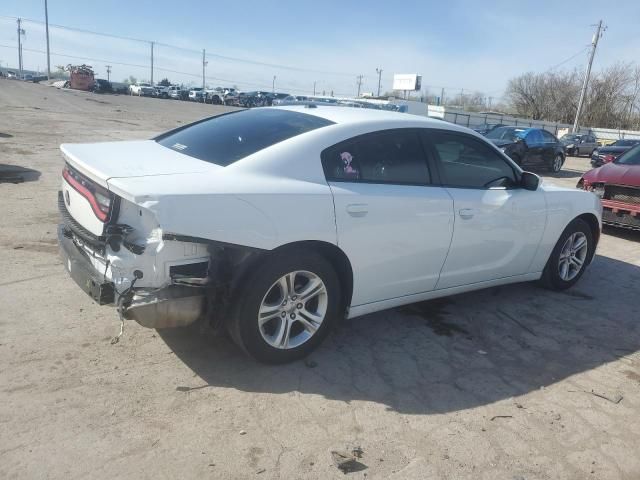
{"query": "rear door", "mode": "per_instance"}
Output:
(498, 225)
(393, 223)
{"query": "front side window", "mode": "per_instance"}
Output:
(389, 156)
(228, 138)
(467, 162)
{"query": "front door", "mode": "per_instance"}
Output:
(535, 148)
(392, 222)
(498, 225)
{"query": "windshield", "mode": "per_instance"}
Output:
(625, 143)
(506, 133)
(630, 157)
(228, 138)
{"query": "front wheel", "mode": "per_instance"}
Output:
(569, 257)
(556, 165)
(284, 311)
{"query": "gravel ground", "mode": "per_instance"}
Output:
(508, 383)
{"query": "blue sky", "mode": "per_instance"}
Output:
(477, 46)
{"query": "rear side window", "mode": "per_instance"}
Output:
(468, 163)
(228, 138)
(548, 137)
(389, 156)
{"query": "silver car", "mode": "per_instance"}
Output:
(579, 144)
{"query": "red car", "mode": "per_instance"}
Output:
(618, 185)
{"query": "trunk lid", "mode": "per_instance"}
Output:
(141, 158)
(87, 198)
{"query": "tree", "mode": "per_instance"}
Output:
(131, 80)
(165, 82)
(611, 101)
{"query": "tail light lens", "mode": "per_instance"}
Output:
(99, 198)
(608, 158)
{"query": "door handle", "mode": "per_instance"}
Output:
(466, 213)
(357, 209)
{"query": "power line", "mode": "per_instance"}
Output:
(569, 59)
(166, 70)
(214, 55)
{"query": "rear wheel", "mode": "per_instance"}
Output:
(569, 257)
(556, 165)
(284, 311)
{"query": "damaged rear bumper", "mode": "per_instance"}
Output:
(82, 271)
(171, 306)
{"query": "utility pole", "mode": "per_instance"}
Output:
(273, 85)
(152, 43)
(46, 19)
(594, 45)
(314, 88)
(442, 96)
(462, 97)
(204, 64)
(20, 33)
(359, 78)
(108, 73)
(379, 72)
(490, 101)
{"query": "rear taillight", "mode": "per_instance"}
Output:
(99, 198)
(608, 158)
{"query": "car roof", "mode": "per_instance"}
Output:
(350, 115)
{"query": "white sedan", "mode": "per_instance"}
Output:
(279, 222)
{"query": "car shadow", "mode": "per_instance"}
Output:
(566, 173)
(16, 174)
(444, 355)
(624, 233)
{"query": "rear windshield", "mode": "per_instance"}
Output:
(228, 138)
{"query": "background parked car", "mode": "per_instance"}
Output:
(161, 91)
(141, 89)
(609, 153)
(253, 99)
(487, 127)
(275, 98)
(222, 96)
(177, 93)
(101, 85)
(577, 144)
(529, 146)
(618, 185)
(197, 94)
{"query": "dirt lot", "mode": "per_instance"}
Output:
(508, 383)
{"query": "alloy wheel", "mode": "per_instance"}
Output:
(557, 163)
(573, 256)
(293, 309)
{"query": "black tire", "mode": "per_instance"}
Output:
(551, 274)
(557, 163)
(242, 321)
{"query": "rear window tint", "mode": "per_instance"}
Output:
(228, 138)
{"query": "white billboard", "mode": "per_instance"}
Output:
(407, 81)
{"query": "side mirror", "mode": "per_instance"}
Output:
(529, 181)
